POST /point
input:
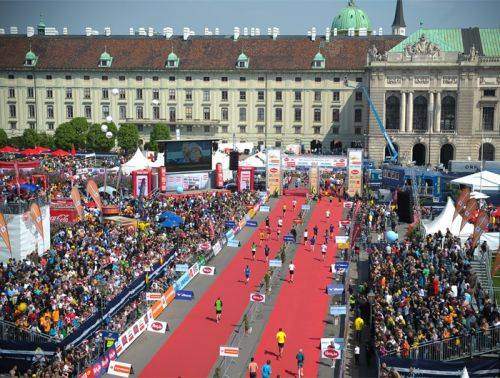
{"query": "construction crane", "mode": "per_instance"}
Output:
(394, 153)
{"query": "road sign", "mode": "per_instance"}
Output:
(257, 297)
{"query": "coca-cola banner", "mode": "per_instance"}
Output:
(189, 181)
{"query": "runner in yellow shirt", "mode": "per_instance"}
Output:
(280, 338)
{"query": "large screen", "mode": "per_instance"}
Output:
(188, 155)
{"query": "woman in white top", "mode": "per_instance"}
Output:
(291, 269)
(305, 237)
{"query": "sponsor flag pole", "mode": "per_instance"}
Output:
(4, 232)
(77, 201)
(461, 202)
(36, 218)
(93, 192)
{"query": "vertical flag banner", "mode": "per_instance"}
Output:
(461, 202)
(355, 172)
(470, 208)
(314, 178)
(5, 233)
(36, 218)
(93, 192)
(480, 227)
(274, 172)
(77, 201)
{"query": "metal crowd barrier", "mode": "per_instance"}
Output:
(9, 331)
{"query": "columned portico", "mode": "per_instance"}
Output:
(409, 113)
(437, 113)
(402, 116)
(430, 111)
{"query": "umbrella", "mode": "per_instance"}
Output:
(41, 150)
(479, 195)
(8, 150)
(30, 152)
(28, 187)
(168, 215)
(60, 153)
(170, 223)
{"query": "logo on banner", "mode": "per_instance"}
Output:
(207, 270)
(121, 369)
(257, 297)
(338, 310)
(331, 353)
(36, 218)
(153, 296)
(275, 263)
(225, 351)
(335, 289)
(157, 326)
(185, 295)
(93, 192)
(348, 204)
(181, 267)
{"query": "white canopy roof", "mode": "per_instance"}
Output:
(138, 161)
(258, 160)
(445, 221)
(484, 180)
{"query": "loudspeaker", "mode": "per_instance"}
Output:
(234, 158)
(405, 207)
(215, 146)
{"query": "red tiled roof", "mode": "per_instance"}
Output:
(197, 53)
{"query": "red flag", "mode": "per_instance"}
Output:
(5, 233)
(36, 218)
(73, 151)
(77, 201)
(461, 202)
(93, 192)
(470, 208)
(480, 227)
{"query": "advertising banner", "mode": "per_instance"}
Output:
(157, 326)
(338, 343)
(470, 208)
(188, 181)
(265, 209)
(185, 295)
(77, 201)
(338, 310)
(306, 161)
(275, 263)
(162, 179)
(233, 243)
(93, 192)
(207, 270)
(219, 176)
(5, 233)
(314, 178)
(120, 369)
(461, 202)
(245, 178)
(257, 297)
(181, 267)
(251, 223)
(355, 172)
(335, 289)
(481, 226)
(273, 171)
(226, 351)
(153, 296)
(217, 248)
(36, 218)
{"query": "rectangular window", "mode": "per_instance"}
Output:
(223, 95)
(156, 94)
(50, 93)
(260, 129)
(225, 128)
(317, 129)
(13, 125)
(11, 77)
(138, 94)
(298, 79)
(189, 112)
(279, 78)
(50, 111)
(123, 112)
(12, 93)
(189, 78)
(335, 115)
(48, 77)
(156, 112)
(242, 78)
(206, 95)
(298, 95)
(172, 128)
(86, 93)
(243, 129)
(278, 114)
(172, 116)
(359, 96)
(206, 129)
(317, 95)
(297, 129)
(104, 78)
(336, 79)
(260, 95)
(317, 115)
(278, 96)
(243, 114)
(138, 78)
(206, 78)
(277, 143)
(488, 118)
(30, 92)
(31, 111)
(357, 115)
(88, 111)
(122, 94)
(336, 96)
(139, 112)
(171, 94)
(189, 128)
(171, 78)
(223, 78)
(206, 114)
(121, 78)
(68, 77)
(105, 94)
(224, 114)
(189, 95)
(140, 127)
(243, 95)
(260, 114)
(69, 93)
(278, 129)
(32, 125)
(86, 77)
(105, 111)
(359, 80)
(69, 111)
(297, 115)
(489, 93)
(260, 78)
(317, 79)
(50, 126)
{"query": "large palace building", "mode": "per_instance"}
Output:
(437, 91)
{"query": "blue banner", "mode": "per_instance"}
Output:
(233, 243)
(181, 282)
(306, 207)
(265, 209)
(181, 267)
(275, 263)
(288, 238)
(229, 235)
(338, 310)
(335, 289)
(341, 265)
(230, 224)
(251, 223)
(185, 295)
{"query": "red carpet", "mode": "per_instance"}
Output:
(193, 348)
(301, 306)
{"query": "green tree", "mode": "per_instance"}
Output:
(4, 140)
(16, 141)
(160, 132)
(97, 140)
(30, 138)
(71, 134)
(46, 140)
(128, 136)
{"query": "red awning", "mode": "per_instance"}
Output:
(60, 153)
(8, 150)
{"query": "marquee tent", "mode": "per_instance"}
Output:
(484, 180)
(138, 161)
(445, 221)
(257, 161)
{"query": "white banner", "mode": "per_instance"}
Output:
(274, 171)
(120, 369)
(257, 297)
(227, 351)
(153, 296)
(157, 326)
(217, 248)
(188, 181)
(207, 270)
(291, 161)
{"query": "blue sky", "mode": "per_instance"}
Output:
(292, 16)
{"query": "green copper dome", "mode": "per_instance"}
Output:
(351, 17)
(30, 55)
(105, 56)
(242, 57)
(172, 56)
(319, 56)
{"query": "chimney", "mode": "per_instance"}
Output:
(65, 30)
(2, 31)
(142, 31)
(30, 31)
(334, 32)
(245, 31)
(363, 32)
(217, 31)
(313, 33)
(380, 31)
(107, 31)
(252, 32)
(151, 32)
(13, 30)
(236, 33)
(269, 32)
(327, 35)
(276, 32)
(130, 31)
(88, 31)
(257, 32)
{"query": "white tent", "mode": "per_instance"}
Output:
(445, 221)
(159, 162)
(484, 180)
(258, 160)
(138, 161)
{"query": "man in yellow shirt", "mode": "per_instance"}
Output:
(280, 338)
(359, 323)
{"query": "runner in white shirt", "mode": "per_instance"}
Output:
(327, 214)
(324, 247)
(305, 237)
(294, 204)
(291, 269)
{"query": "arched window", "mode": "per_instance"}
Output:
(487, 152)
(387, 153)
(418, 154)
(316, 146)
(448, 106)
(447, 154)
(420, 113)
(392, 118)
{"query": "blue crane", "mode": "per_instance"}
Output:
(392, 150)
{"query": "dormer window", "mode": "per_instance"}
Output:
(105, 60)
(30, 59)
(318, 61)
(243, 61)
(172, 60)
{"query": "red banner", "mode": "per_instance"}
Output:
(468, 212)
(5, 233)
(93, 192)
(36, 218)
(480, 227)
(77, 201)
(461, 202)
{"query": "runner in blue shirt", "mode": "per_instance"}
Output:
(247, 274)
(300, 363)
(266, 369)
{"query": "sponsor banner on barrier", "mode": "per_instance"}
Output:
(226, 351)
(275, 263)
(181, 267)
(157, 326)
(341, 266)
(185, 295)
(251, 213)
(306, 207)
(327, 343)
(120, 369)
(335, 289)
(251, 223)
(233, 243)
(181, 282)
(241, 224)
(338, 310)
(230, 224)
(341, 239)
(265, 209)
(194, 270)
(229, 234)
(207, 270)
(331, 353)
(153, 296)
(217, 248)
(343, 245)
(348, 204)
(257, 297)
(344, 223)
(288, 238)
